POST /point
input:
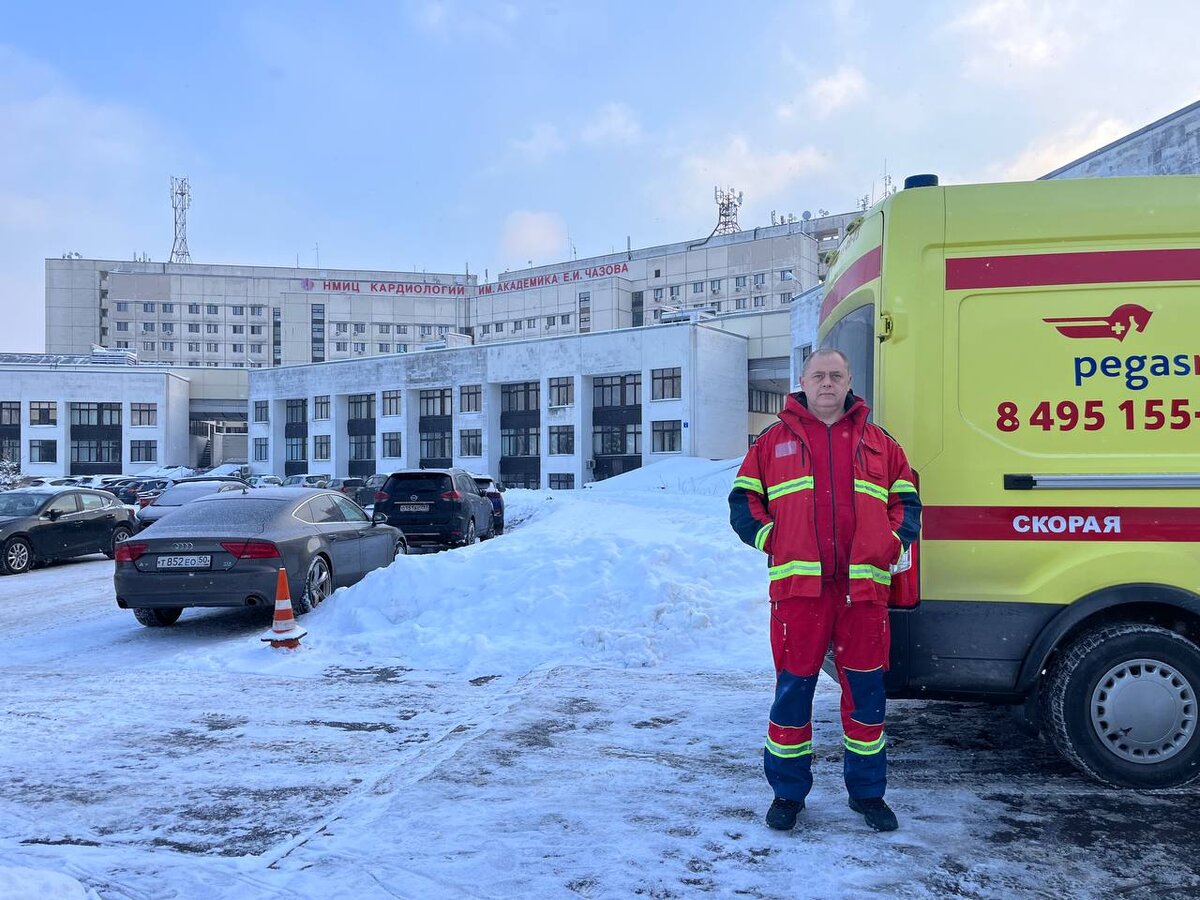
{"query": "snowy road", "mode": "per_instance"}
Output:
(191, 762)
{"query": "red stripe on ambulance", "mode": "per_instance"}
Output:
(1099, 267)
(1060, 523)
(864, 269)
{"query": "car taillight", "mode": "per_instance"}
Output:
(251, 549)
(451, 495)
(380, 496)
(495, 495)
(127, 552)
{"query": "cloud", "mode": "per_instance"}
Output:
(1051, 151)
(533, 235)
(613, 123)
(843, 88)
(759, 175)
(544, 142)
(454, 21)
(1007, 39)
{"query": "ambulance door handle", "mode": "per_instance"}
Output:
(886, 327)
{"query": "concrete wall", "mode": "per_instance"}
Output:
(1169, 146)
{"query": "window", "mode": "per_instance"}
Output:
(666, 437)
(321, 407)
(360, 347)
(297, 412)
(521, 397)
(168, 346)
(519, 441)
(531, 324)
(564, 319)
(559, 482)
(617, 440)
(360, 328)
(562, 440)
(391, 445)
(470, 442)
(383, 348)
(341, 346)
(212, 329)
(147, 345)
(256, 329)
(549, 322)
(585, 299)
(10, 449)
(760, 279)
(147, 307)
(617, 390)
(294, 449)
(739, 303)
(658, 273)
(739, 282)
(43, 451)
(341, 327)
(443, 329)
(785, 298)
(193, 309)
(697, 287)
(674, 291)
(168, 308)
(260, 411)
(147, 327)
(256, 310)
(122, 345)
(562, 391)
(362, 406)
(436, 403)
(715, 285)
(143, 414)
(256, 348)
(237, 329)
(260, 449)
(485, 329)
(143, 451)
(518, 325)
(168, 328)
(211, 309)
(213, 347)
(384, 328)
(658, 315)
(435, 445)
(239, 310)
(427, 330)
(193, 346)
(401, 329)
(665, 384)
(392, 403)
(786, 275)
(41, 412)
(96, 414)
(122, 326)
(238, 348)
(90, 451)
(362, 446)
(499, 326)
(122, 306)
(760, 300)
(470, 398)
(193, 328)
(321, 446)
(10, 413)
(766, 401)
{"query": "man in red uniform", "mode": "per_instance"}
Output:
(830, 498)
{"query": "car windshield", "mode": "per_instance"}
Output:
(186, 493)
(15, 503)
(233, 513)
(418, 483)
(293, 479)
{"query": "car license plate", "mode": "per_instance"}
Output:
(192, 561)
(412, 507)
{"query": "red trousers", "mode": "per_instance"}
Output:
(802, 630)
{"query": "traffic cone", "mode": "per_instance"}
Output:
(284, 630)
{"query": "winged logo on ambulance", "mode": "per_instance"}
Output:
(1124, 319)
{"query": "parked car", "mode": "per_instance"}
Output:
(494, 491)
(183, 491)
(261, 481)
(348, 486)
(307, 480)
(226, 549)
(436, 506)
(134, 491)
(42, 524)
(48, 481)
(369, 492)
(100, 482)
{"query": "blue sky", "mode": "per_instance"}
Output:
(438, 134)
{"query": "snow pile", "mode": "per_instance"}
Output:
(20, 883)
(626, 575)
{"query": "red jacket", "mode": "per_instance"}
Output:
(789, 499)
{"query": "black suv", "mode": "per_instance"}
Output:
(436, 506)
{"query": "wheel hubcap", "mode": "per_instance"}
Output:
(1144, 711)
(18, 556)
(318, 582)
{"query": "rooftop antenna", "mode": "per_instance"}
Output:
(727, 207)
(181, 199)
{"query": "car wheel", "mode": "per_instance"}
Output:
(1119, 704)
(500, 527)
(158, 618)
(318, 584)
(471, 536)
(401, 549)
(120, 533)
(16, 557)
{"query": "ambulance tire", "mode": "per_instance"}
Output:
(1069, 691)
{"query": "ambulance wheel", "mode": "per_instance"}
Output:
(1120, 703)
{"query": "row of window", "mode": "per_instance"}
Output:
(381, 328)
(192, 346)
(193, 309)
(607, 440)
(45, 412)
(43, 451)
(607, 391)
(192, 328)
(715, 285)
(525, 324)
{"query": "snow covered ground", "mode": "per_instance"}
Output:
(575, 708)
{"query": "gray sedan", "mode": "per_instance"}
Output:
(227, 548)
(180, 493)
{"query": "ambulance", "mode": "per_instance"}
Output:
(1035, 348)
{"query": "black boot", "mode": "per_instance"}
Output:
(782, 814)
(877, 813)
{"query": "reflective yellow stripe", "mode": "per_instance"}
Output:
(903, 487)
(789, 751)
(760, 539)
(790, 487)
(881, 576)
(865, 748)
(867, 487)
(795, 567)
(749, 484)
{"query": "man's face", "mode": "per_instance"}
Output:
(826, 383)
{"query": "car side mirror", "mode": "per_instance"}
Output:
(379, 518)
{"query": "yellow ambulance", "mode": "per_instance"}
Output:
(1035, 348)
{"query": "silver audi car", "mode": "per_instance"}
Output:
(226, 550)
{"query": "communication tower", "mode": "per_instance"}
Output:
(181, 199)
(727, 207)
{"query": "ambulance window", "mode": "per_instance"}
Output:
(855, 336)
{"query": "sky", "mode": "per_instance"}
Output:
(445, 136)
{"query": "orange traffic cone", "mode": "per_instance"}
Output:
(284, 630)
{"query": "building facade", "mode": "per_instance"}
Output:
(1168, 146)
(538, 413)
